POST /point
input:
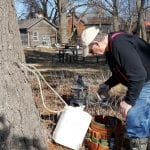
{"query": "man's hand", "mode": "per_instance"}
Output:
(124, 108)
(103, 90)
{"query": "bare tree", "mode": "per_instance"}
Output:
(32, 8)
(140, 28)
(62, 21)
(111, 8)
(115, 15)
(20, 127)
(38, 6)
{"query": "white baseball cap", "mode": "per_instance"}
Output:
(88, 35)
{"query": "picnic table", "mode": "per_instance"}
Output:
(69, 54)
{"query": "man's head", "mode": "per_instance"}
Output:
(93, 42)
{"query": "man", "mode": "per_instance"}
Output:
(128, 57)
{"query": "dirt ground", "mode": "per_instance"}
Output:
(61, 76)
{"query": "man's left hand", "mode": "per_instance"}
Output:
(124, 108)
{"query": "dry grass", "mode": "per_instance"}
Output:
(61, 77)
(62, 84)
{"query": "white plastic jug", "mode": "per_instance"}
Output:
(72, 127)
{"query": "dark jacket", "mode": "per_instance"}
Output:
(129, 60)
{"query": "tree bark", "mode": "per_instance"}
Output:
(20, 127)
(115, 15)
(140, 28)
(63, 21)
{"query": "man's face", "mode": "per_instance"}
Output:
(95, 48)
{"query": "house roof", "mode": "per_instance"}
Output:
(98, 20)
(76, 16)
(95, 19)
(28, 23)
(103, 20)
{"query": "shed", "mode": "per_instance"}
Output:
(37, 32)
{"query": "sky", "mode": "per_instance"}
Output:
(19, 8)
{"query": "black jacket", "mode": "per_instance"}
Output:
(129, 60)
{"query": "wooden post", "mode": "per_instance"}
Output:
(29, 39)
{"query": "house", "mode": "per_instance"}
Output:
(37, 32)
(104, 23)
(76, 23)
(75, 27)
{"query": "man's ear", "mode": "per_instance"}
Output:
(96, 42)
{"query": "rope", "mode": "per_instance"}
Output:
(37, 75)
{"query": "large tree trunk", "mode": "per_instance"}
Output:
(20, 127)
(63, 21)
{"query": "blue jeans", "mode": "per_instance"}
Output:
(138, 117)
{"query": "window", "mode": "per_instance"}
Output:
(46, 40)
(35, 36)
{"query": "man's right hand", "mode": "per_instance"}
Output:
(103, 90)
